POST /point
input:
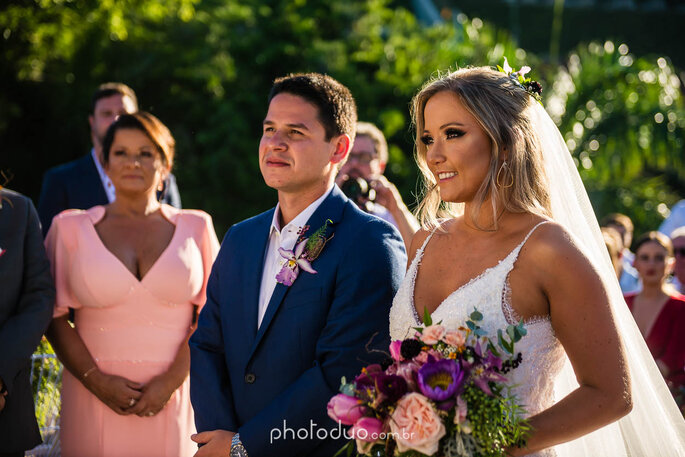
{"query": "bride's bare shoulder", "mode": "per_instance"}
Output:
(553, 245)
(421, 235)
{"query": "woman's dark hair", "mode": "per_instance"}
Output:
(658, 238)
(150, 126)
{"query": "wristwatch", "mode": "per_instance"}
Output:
(237, 448)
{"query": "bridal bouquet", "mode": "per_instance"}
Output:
(439, 394)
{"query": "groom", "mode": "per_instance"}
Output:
(286, 318)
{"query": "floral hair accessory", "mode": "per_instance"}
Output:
(519, 77)
(306, 251)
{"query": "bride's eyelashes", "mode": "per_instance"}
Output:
(453, 133)
(450, 134)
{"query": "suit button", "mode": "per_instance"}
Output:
(250, 378)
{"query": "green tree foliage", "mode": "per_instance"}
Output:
(623, 119)
(205, 67)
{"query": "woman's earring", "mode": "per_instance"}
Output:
(507, 170)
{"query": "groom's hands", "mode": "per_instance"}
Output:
(217, 443)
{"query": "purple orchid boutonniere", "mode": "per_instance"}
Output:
(306, 251)
(2, 251)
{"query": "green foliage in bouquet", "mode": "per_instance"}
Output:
(455, 378)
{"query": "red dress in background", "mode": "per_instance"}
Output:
(666, 339)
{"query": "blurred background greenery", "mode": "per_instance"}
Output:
(204, 67)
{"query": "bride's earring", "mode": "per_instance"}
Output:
(507, 171)
(160, 185)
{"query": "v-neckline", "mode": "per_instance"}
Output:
(419, 256)
(417, 317)
(121, 263)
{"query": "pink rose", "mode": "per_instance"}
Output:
(366, 432)
(367, 429)
(456, 339)
(345, 409)
(396, 350)
(416, 426)
(431, 335)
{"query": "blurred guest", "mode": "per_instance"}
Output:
(26, 298)
(135, 272)
(361, 178)
(659, 311)
(629, 279)
(614, 244)
(83, 183)
(674, 220)
(678, 240)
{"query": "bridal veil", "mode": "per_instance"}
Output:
(655, 427)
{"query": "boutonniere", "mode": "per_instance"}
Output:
(2, 251)
(306, 251)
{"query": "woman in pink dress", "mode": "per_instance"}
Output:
(134, 272)
(659, 310)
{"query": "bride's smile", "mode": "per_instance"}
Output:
(457, 148)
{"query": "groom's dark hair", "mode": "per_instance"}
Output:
(336, 106)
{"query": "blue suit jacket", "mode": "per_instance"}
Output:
(77, 185)
(259, 382)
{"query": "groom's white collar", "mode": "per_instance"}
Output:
(301, 219)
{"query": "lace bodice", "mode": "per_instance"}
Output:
(489, 292)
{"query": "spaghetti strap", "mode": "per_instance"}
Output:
(425, 242)
(515, 253)
(532, 230)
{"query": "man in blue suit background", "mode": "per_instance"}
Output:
(83, 183)
(296, 293)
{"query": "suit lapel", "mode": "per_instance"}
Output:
(330, 209)
(253, 274)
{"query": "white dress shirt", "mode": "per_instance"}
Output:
(282, 238)
(106, 182)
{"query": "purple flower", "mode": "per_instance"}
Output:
(392, 387)
(486, 371)
(367, 378)
(294, 261)
(440, 380)
(410, 348)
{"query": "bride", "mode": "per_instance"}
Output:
(509, 230)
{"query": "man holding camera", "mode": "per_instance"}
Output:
(361, 179)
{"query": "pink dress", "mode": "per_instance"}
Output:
(132, 328)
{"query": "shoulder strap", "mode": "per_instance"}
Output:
(518, 248)
(430, 235)
(531, 231)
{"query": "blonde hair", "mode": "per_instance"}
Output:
(500, 106)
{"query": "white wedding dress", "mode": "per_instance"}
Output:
(655, 427)
(489, 292)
